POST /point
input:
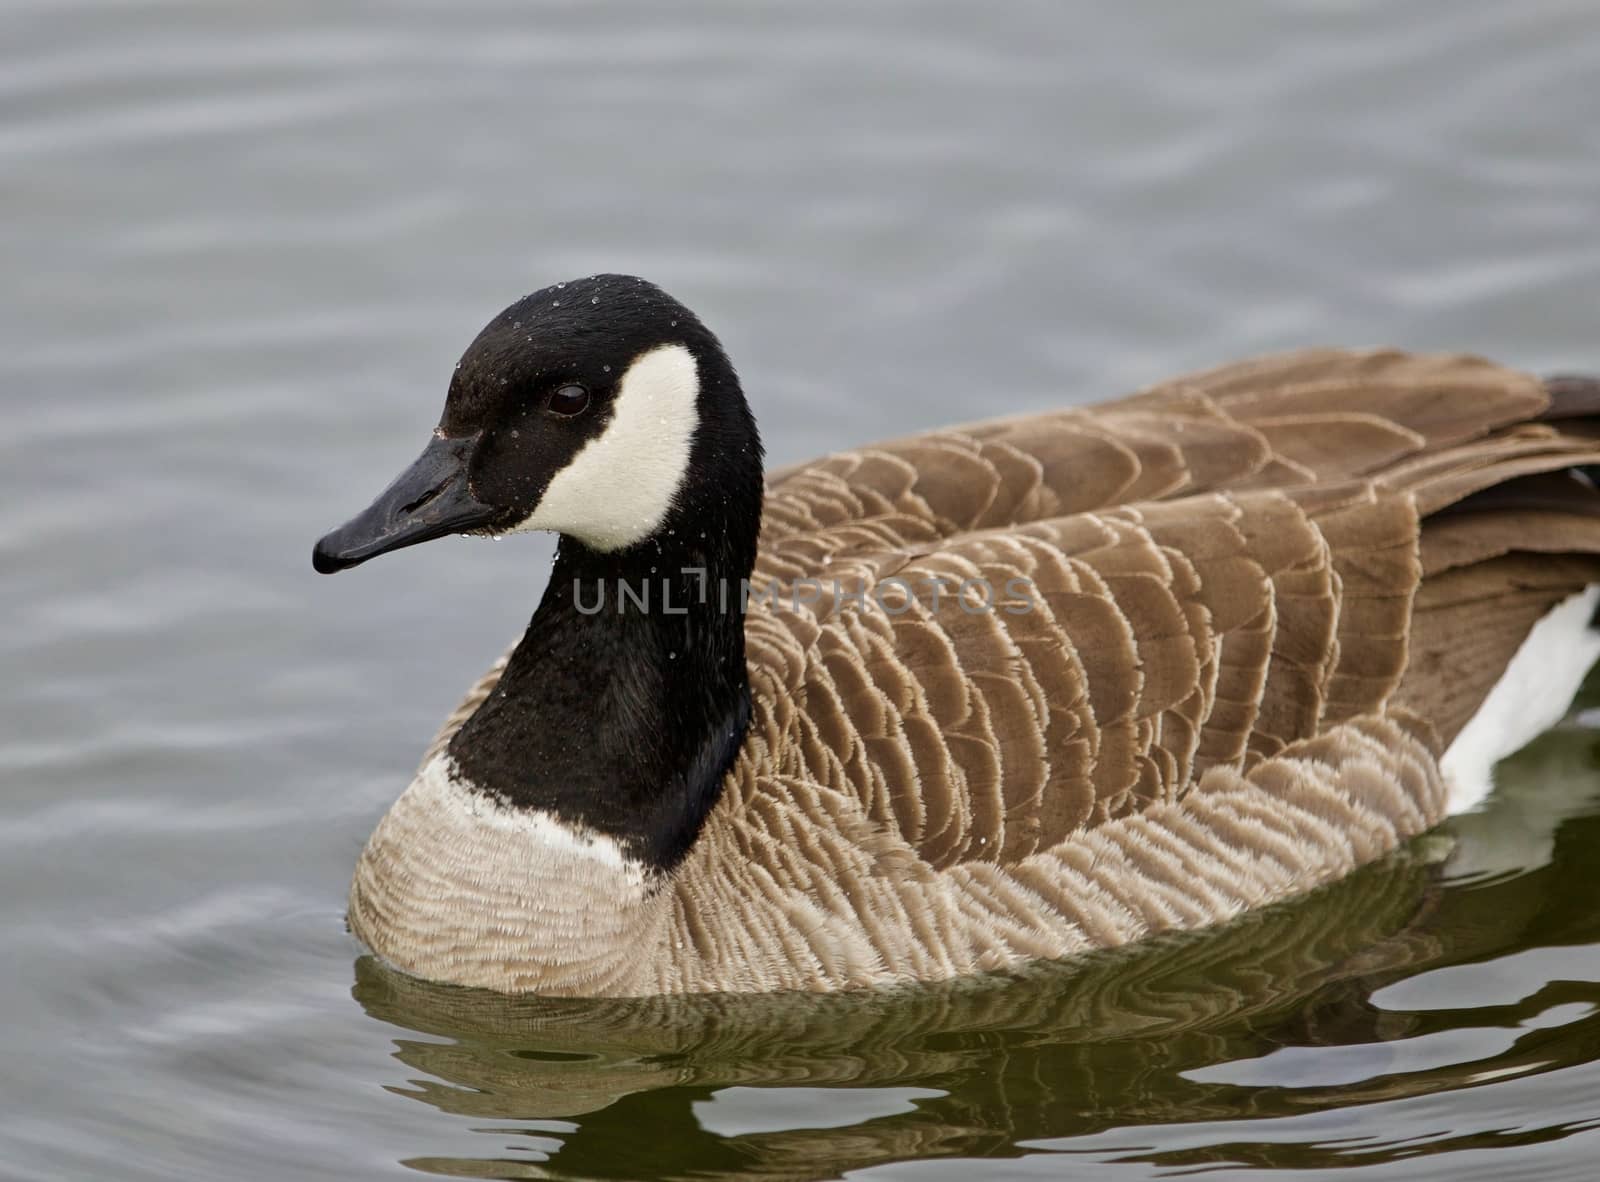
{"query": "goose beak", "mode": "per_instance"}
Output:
(428, 500)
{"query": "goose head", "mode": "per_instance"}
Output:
(601, 409)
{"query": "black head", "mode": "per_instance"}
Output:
(600, 408)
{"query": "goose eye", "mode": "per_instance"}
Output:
(569, 400)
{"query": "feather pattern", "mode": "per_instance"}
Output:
(1236, 619)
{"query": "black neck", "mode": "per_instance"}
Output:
(621, 717)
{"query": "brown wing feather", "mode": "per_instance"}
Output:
(1150, 644)
(1206, 632)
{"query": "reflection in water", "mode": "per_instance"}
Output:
(1130, 1040)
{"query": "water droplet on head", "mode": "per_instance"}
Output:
(495, 537)
(674, 324)
(515, 434)
(555, 303)
(605, 368)
(594, 299)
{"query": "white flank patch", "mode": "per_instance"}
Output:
(1530, 697)
(616, 491)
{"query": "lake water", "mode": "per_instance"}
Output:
(243, 245)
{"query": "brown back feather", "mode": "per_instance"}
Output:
(1181, 631)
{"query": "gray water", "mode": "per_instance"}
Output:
(243, 245)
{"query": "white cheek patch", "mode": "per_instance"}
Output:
(617, 490)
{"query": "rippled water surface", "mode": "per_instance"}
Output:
(243, 245)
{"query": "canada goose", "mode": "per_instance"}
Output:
(1218, 643)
